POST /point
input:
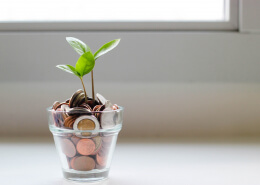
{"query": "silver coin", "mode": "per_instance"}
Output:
(108, 104)
(74, 96)
(79, 99)
(102, 100)
(107, 118)
(118, 118)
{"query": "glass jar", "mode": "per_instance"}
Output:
(85, 142)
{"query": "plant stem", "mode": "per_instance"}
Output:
(86, 97)
(92, 80)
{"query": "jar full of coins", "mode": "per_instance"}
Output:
(85, 139)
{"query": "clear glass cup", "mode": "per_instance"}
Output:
(85, 152)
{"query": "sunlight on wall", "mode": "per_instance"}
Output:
(112, 10)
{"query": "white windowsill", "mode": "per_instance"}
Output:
(134, 163)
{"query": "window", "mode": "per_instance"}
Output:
(119, 15)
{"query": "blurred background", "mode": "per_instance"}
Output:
(183, 68)
(186, 72)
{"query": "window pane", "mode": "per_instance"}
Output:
(112, 10)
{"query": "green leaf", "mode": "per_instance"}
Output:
(69, 69)
(79, 46)
(106, 48)
(85, 63)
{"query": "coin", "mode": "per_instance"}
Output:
(84, 105)
(59, 105)
(68, 147)
(99, 109)
(107, 140)
(86, 123)
(91, 103)
(75, 139)
(79, 99)
(118, 114)
(108, 104)
(106, 145)
(79, 111)
(101, 160)
(115, 107)
(102, 100)
(74, 97)
(86, 146)
(64, 109)
(99, 167)
(55, 105)
(98, 143)
(69, 121)
(104, 150)
(83, 163)
(96, 107)
(107, 118)
(58, 117)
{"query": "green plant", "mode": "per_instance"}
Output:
(86, 61)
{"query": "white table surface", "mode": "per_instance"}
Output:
(141, 163)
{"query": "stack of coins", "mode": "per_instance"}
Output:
(85, 154)
(76, 114)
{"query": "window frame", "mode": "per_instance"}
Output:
(232, 8)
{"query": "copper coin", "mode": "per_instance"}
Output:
(68, 148)
(59, 106)
(96, 107)
(55, 105)
(98, 113)
(69, 121)
(92, 103)
(75, 139)
(83, 163)
(84, 105)
(79, 111)
(86, 146)
(115, 107)
(101, 160)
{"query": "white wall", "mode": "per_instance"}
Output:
(140, 57)
(171, 83)
(249, 16)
